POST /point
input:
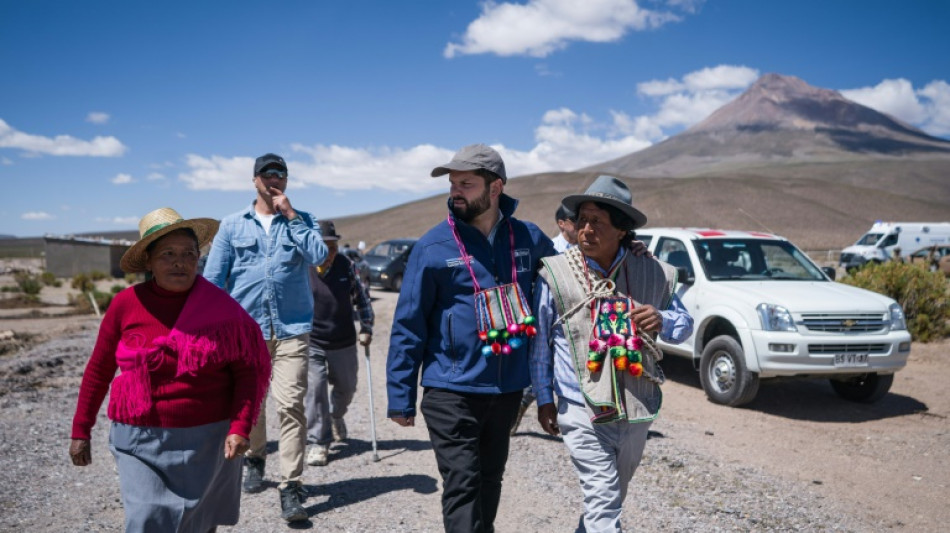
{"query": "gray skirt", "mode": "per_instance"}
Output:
(176, 479)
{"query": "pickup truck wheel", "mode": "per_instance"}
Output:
(397, 282)
(724, 375)
(867, 388)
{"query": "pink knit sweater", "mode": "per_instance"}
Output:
(186, 359)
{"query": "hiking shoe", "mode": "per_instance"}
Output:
(338, 427)
(253, 474)
(319, 455)
(290, 508)
(521, 409)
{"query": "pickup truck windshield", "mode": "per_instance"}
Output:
(754, 259)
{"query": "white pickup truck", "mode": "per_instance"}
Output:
(762, 309)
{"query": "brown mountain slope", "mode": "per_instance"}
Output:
(814, 213)
(786, 157)
(781, 120)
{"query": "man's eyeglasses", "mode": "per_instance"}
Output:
(274, 173)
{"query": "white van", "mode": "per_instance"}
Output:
(879, 243)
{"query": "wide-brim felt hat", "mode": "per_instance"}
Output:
(156, 225)
(611, 191)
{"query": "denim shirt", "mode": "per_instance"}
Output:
(267, 273)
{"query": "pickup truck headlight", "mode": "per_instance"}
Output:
(897, 317)
(775, 318)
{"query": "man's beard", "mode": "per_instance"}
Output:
(469, 211)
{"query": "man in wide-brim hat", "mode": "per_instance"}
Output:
(599, 308)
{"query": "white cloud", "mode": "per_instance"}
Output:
(539, 27)
(565, 139)
(180, 135)
(59, 145)
(688, 100)
(122, 179)
(894, 97)
(155, 176)
(927, 108)
(936, 96)
(119, 221)
(97, 117)
(6, 161)
(37, 215)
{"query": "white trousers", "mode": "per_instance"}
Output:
(605, 457)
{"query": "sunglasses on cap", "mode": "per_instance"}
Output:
(274, 173)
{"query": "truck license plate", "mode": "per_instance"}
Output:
(851, 359)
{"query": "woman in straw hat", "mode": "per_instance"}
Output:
(599, 307)
(193, 369)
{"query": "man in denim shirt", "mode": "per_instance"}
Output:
(261, 256)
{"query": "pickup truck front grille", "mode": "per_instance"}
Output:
(847, 348)
(844, 323)
(845, 258)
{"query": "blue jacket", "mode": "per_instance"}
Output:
(434, 326)
(267, 273)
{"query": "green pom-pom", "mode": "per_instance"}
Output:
(618, 351)
(634, 356)
(529, 320)
(595, 356)
(493, 334)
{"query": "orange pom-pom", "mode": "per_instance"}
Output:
(635, 369)
(620, 363)
(594, 366)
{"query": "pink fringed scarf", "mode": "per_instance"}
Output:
(211, 329)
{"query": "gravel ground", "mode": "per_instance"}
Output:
(680, 486)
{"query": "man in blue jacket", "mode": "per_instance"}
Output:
(472, 389)
(262, 255)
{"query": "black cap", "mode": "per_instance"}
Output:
(563, 213)
(269, 160)
(328, 230)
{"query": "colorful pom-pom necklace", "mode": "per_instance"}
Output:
(614, 338)
(502, 313)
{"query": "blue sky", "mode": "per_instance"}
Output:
(111, 109)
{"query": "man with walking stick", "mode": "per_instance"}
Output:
(331, 380)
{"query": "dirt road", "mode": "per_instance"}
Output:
(797, 458)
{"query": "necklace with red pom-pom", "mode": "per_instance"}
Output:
(614, 338)
(502, 313)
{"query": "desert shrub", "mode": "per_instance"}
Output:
(49, 279)
(29, 284)
(923, 295)
(97, 275)
(83, 305)
(117, 288)
(9, 288)
(83, 282)
(132, 279)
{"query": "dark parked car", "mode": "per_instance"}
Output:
(362, 267)
(387, 262)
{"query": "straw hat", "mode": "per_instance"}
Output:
(156, 225)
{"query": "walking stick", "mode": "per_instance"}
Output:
(372, 410)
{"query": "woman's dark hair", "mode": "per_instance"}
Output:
(191, 233)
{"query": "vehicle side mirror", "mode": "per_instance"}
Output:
(830, 272)
(683, 276)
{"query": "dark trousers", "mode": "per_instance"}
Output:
(470, 435)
